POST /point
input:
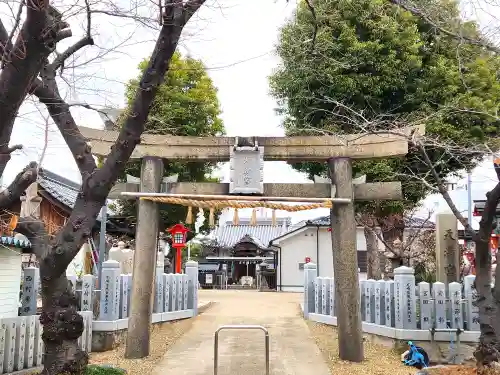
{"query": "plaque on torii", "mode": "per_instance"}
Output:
(246, 167)
(247, 156)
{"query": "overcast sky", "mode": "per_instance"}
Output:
(235, 40)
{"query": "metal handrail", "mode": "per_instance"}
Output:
(233, 327)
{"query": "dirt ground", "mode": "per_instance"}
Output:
(380, 360)
(161, 339)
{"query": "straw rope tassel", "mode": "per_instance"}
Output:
(211, 217)
(236, 219)
(189, 216)
(253, 219)
(273, 218)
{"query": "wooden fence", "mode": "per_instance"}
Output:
(390, 308)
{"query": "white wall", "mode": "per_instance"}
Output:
(296, 248)
(10, 282)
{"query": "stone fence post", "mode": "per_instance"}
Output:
(404, 290)
(192, 273)
(310, 274)
(86, 302)
(110, 291)
(31, 279)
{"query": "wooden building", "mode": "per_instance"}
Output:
(240, 249)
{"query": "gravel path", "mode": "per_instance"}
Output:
(293, 351)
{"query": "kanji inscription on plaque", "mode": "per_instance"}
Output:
(246, 170)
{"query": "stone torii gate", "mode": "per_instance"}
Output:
(247, 156)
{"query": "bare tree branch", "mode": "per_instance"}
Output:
(34, 230)
(87, 40)
(24, 179)
(34, 43)
(96, 186)
(60, 112)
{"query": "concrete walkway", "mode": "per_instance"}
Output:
(293, 351)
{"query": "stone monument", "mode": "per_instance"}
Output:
(447, 252)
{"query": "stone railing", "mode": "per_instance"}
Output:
(400, 309)
(175, 297)
(21, 345)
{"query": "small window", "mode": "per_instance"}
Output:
(301, 266)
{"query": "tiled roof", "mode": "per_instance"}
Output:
(60, 188)
(14, 242)
(410, 222)
(229, 235)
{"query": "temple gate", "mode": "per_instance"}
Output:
(247, 189)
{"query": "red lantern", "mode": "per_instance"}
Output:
(179, 234)
(308, 260)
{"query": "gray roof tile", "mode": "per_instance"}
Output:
(229, 235)
(60, 188)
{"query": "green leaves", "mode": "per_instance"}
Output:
(186, 104)
(374, 65)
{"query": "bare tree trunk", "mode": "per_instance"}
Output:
(487, 300)
(62, 325)
(373, 258)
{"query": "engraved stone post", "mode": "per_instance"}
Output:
(29, 347)
(129, 292)
(139, 322)
(455, 293)
(185, 291)
(124, 297)
(389, 304)
(159, 291)
(369, 301)
(345, 263)
(325, 297)
(30, 290)
(20, 343)
(180, 291)
(86, 303)
(38, 354)
(317, 295)
(10, 327)
(332, 296)
(424, 292)
(2, 348)
(404, 281)
(447, 252)
(471, 306)
(439, 295)
(192, 274)
(362, 299)
(175, 291)
(109, 302)
(310, 274)
(167, 299)
(379, 302)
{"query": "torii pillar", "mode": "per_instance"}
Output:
(143, 274)
(345, 263)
